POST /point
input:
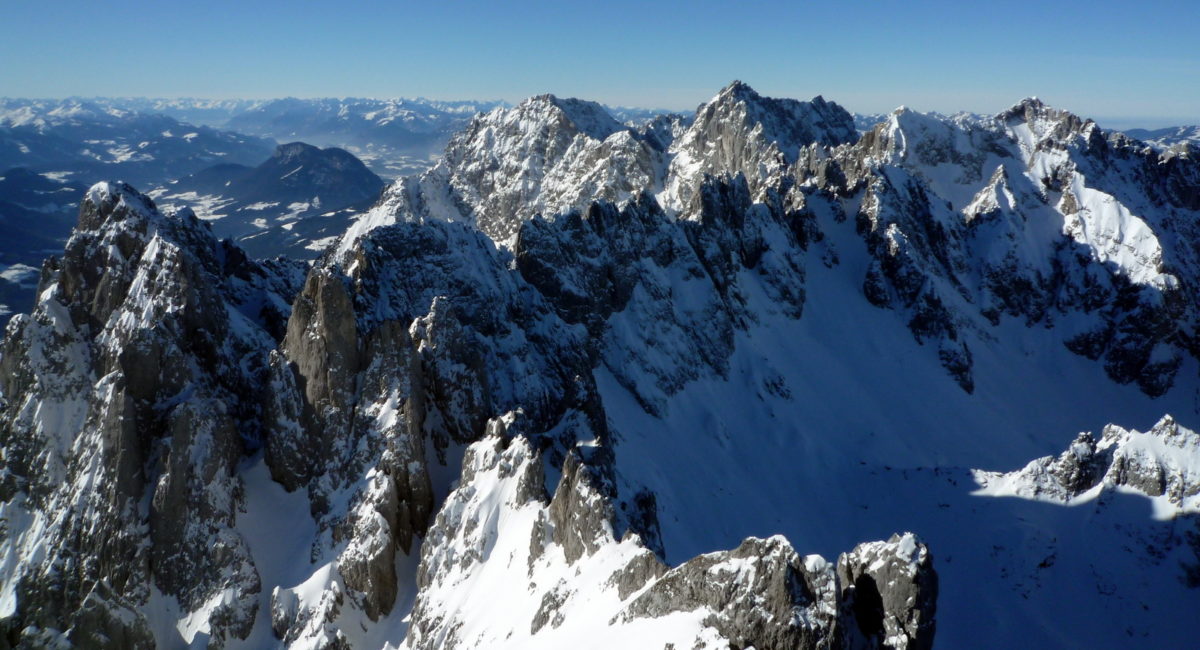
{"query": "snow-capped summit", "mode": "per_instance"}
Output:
(587, 117)
(549, 155)
(544, 156)
(740, 131)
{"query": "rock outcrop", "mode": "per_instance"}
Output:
(1160, 463)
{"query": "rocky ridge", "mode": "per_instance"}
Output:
(1033, 214)
(124, 426)
(377, 377)
(1160, 463)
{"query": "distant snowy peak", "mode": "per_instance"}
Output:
(866, 121)
(395, 137)
(923, 142)
(967, 139)
(550, 155)
(1164, 139)
(1034, 197)
(416, 115)
(1038, 127)
(543, 117)
(1043, 117)
(90, 142)
(1102, 188)
(44, 113)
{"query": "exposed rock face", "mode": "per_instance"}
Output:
(546, 155)
(889, 589)
(1031, 214)
(760, 594)
(742, 132)
(386, 368)
(124, 425)
(881, 595)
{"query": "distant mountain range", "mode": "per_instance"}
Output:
(1166, 138)
(394, 137)
(88, 141)
(294, 203)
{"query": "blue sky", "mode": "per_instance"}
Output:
(1125, 63)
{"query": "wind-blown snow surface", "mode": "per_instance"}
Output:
(686, 370)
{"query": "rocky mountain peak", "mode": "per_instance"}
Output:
(1162, 463)
(107, 201)
(545, 156)
(1029, 103)
(1042, 122)
(738, 90)
(587, 117)
(741, 131)
(789, 123)
(148, 343)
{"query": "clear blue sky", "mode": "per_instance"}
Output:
(1136, 61)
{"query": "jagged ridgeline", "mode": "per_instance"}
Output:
(529, 397)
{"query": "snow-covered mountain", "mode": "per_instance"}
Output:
(393, 136)
(52, 150)
(295, 203)
(1163, 139)
(864, 122)
(204, 112)
(87, 142)
(597, 385)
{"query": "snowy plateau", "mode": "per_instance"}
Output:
(754, 377)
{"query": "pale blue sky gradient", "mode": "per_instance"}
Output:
(1125, 63)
